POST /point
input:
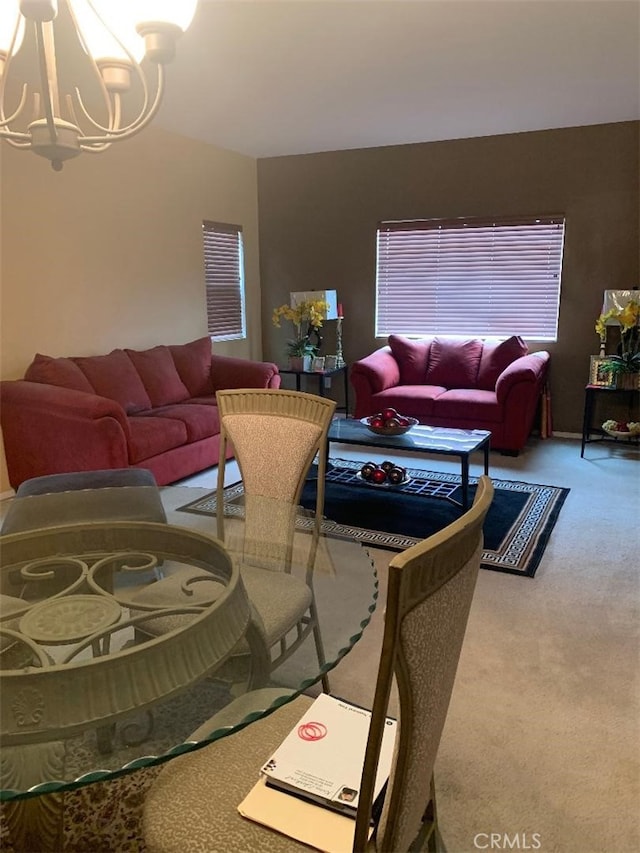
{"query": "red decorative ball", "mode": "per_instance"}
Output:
(379, 476)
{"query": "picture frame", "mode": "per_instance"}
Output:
(330, 362)
(317, 365)
(599, 373)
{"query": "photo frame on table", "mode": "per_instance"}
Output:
(318, 364)
(600, 374)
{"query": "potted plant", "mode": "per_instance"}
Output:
(307, 318)
(625, 364)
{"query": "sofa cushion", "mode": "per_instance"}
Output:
(496, 356)
(412, 358)
(200, 421)
(159, 376)
(193, 363)
(151, 436)
(463, 404)
(58, 371)
(115, 377)
(416, 400)
(454, 363)
(211, 400)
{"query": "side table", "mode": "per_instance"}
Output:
(632, 397)
(321, 376)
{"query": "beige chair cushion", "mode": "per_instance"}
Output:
(193, 805)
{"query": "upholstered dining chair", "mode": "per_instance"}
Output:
(193, 804)
(276, 435)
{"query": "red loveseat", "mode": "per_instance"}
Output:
(153, 409)
(470, 384)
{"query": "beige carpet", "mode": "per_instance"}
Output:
(542, 741)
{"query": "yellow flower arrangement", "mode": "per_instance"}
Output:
(306, 317)
(628, 358)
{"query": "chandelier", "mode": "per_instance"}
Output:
(84, 75)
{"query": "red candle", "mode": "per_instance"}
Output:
(339, 309)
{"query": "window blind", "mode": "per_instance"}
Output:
(224, 280)
(490, 277)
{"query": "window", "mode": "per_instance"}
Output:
(472, 277)
(224, 280)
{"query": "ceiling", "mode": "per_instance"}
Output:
(279, 77)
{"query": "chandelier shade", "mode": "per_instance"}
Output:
(78, 75)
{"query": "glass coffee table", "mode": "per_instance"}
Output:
(441, 441)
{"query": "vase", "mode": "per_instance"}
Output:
(300, 362)
(628, 381)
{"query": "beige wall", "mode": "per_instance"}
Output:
(318, 216)
(108, 252)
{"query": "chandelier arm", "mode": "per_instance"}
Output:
(135, 126)
(95, 148)
(4, 76)
(146, 113)
(113, 125)
(6, 120)
(15, 143)
(113, 122)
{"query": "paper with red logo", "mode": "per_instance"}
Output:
(322, 758)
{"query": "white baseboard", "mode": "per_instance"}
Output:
(567, 435)
(5, 495)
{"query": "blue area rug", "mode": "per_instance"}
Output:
(516, 531)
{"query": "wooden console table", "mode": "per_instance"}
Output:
(321, 376)
(631, 395)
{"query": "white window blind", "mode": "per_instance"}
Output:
(224, 280)
(470, 277)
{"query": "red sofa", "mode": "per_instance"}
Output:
(153, 409)
(467, 384)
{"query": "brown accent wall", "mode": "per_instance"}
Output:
(318, 216)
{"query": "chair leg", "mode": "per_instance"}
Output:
(428, 837)
(431, 814)
(317, 636)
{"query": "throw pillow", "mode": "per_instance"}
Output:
(412, 358)
(62, 372)
(454, 363)
(159, 375)
(193, 362)
(496, 357)
(114, 376)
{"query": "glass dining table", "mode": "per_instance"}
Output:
(123, 642)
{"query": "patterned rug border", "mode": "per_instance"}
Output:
(522, 545)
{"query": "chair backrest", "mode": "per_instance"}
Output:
(276, 435)
(431, 587)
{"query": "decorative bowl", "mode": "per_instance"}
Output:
(399, 430)
(616, 433)
(612, 428)
(385, 485)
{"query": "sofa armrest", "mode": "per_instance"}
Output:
(380, 370)
(228, 372)
(48, 429)
(530, 369)
(369, 376)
